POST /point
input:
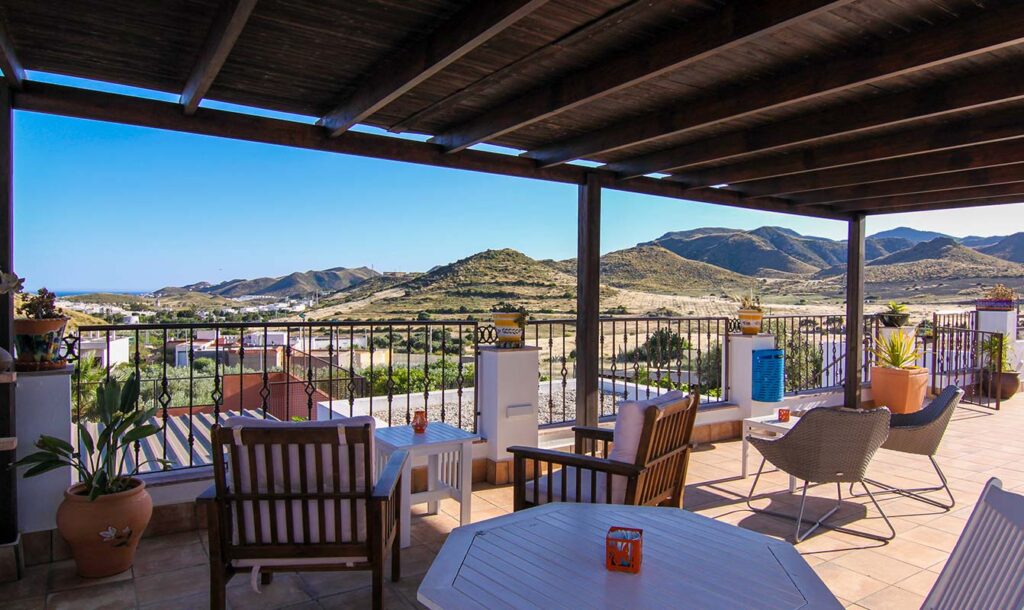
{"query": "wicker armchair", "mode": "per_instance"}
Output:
(920, 434)
(296, 497)
(826, 446)
(657, 432)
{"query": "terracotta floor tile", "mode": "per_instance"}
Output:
(892, 598)
(362, 598)
(913, 553)
(920, 583)
(928, 536)
(162, 586)
(31, 585)
(878, 566)
(63, 576)
(286, 589)
(847, 584)
(109, 596)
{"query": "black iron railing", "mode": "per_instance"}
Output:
(640, 357)
(199, 374)
(971, 359)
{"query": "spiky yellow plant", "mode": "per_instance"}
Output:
(897, 351)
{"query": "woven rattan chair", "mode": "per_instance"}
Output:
(646, 466)
(985, 571)
(826, 446)
(297, 497)
(920, 434)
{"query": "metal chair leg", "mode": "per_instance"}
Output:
(917, 493)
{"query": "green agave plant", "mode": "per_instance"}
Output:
(896, 351)
(102, 464)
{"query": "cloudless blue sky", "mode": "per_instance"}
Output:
(100, 206)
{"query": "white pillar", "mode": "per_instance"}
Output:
(44, 404)
(508, 405)
(741, 373)
(1002, 322)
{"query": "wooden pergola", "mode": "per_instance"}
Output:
(834, 109)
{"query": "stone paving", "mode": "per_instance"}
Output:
(171, 571)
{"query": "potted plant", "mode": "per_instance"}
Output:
(895, 315)
(38, 335)
(751, 313)
(998, 377)
(999, 298)
(896, 381)
(10, 283)
(509, 324)
(103, 516)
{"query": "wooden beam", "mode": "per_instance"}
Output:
(14, 74)
(613, 19)
(854, 311)
(736, 23)
(398, 73)
(1012, 193)
(8, 474)
(588, 300)
(221, 38)
(872, 207)
(956, 160)
(1003, 174)
(988, 31)
(100, 106)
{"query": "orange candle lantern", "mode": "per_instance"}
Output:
(783, 415)
(419, 422)
(624, 549)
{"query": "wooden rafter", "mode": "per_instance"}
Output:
(400, 72)
(945, 205)
(957, 160)
(221, 38)
(1004, 174)
(100, 106)
(998, 125)
(14, 74)
(612, 19)
(903, 108)
(737, 23)
(989, 192)
(988, 31)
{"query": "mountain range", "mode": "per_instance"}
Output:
(710, 260)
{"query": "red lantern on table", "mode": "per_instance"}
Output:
(624, 549)
(419, 422)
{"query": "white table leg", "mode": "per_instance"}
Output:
(406, 502)
(745, 449)
(432, 482)
(466, 483)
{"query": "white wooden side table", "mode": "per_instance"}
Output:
(765, 426)
(449, 453)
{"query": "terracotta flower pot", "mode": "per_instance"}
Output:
(104, 533)
(1002, 385)
(37, 343)
(750, 321)
(902, 390)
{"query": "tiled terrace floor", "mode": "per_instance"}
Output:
(171, 571)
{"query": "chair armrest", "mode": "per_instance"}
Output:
(208, 495)
(594, 432)
(576, 460)
(389, 477)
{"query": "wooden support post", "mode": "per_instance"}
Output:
(8, 476)
(854, 310)
(588, 280)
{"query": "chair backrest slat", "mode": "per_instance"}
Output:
(664, 450)
(986, 568)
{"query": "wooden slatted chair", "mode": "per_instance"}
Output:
(296, 497)
(650, 451)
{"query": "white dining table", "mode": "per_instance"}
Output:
(553, 556)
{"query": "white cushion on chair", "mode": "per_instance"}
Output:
(629, 425)
(570, 488)
(273, 477)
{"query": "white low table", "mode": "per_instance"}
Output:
(552, 556)
(449, 453)
(766, 426)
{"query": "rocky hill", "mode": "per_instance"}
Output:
(1010, 248)
(655, 269)
(940, 258)
(297, 284)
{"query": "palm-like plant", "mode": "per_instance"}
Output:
(102, 464)
(896, 351)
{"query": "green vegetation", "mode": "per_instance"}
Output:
(401, 380)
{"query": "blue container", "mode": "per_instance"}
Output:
(768, 371)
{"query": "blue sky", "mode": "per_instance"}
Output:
(109, 207)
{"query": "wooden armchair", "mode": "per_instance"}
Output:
(297, 497)
(650, 451)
